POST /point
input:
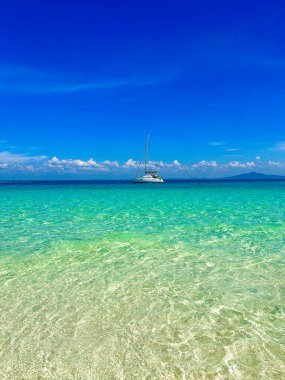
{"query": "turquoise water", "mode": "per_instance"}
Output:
(120, 281)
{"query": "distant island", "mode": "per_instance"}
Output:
(254, 176)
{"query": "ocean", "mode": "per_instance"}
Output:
(112, 280)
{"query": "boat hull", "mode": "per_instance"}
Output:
(148, 180)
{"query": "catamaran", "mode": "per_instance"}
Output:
(150, 173)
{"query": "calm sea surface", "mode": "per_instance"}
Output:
(110, 280)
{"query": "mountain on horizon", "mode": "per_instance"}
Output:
(254, 176)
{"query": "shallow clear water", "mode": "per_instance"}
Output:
(183, 280)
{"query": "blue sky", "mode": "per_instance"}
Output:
(82, 82)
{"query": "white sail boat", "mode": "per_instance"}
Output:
(150, 173)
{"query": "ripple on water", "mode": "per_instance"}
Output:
(109, 290)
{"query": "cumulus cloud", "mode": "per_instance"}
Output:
(71, 165)
(76, 164)
(237, 164)
(10, 162)
(130, 163)
(205, 164)
(111, 164)
(175, 164)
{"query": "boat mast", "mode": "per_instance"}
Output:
(138, 169)
(146, 153)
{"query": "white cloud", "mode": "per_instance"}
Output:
(176, 163)
(276, 164)
(15, 167)
(205, 164)
(162, 164)
(31, 168)
(130, 163)
(9, 157)
(112, 164)
(237, 164)
(17, 161)
(10, 162)
(71, 165)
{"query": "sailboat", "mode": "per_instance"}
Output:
(150, 173)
